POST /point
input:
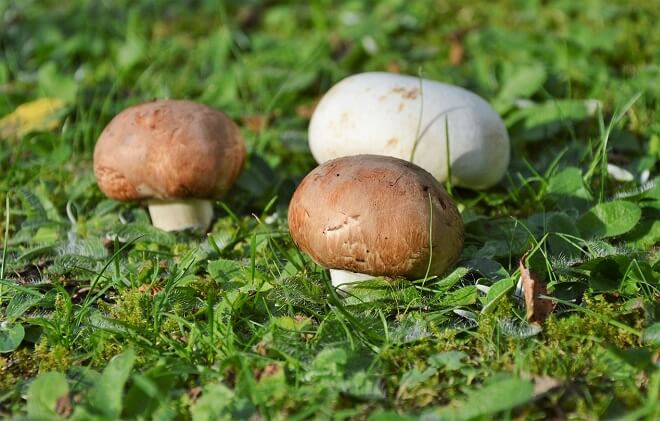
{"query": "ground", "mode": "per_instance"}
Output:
(103, 316)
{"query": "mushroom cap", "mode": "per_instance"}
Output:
(168, 149)
(370, 214)
(385, 114)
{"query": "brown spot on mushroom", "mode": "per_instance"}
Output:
(393, 142)
(411, 93)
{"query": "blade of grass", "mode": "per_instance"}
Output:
(4, 247)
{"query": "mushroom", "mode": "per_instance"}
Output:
(178, 155)
(388, 114)
(369, 215)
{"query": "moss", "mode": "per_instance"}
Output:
(131, 307)
(55, 358)
(7, 379)
(19, 365)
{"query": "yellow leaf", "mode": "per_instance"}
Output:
(38, 115)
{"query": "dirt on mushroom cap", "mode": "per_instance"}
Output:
(168, 149)
(370, 214)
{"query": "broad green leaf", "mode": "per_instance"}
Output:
(606, 273)
(609, 219)
(364, 386)
(147, 392)
(328, 364)
(290, 323)
(225, 270)
(215, 404)
(516, 328)
(645, 235)
(56, 84)
(489, 268)
(21, 302)
(488, 400)
(560, 223)
(567, 190)
(542, 121)
(46, 235)
(412, 328)
(522, 83)
(382, 290)
(412, 378)
(105, 396)
(461, 297)
(131, 52)
(651, 335)
(558, 110)
(498, 290)
(11, 336)
(271, 384)
(449, 360)
(43, 395)
(143, 232)
(636, 357)
(450, 280)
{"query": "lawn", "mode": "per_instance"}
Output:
(103, 316)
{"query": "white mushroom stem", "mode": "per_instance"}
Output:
(341, 277)
(176, 215)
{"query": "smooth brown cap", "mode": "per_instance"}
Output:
(168, 150)
(370, 214)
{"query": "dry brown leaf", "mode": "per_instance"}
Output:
(542, 384)
(261, 348)
(456, 51)
(268, 371)
(306, 110)
(38, 115)
(256, 123)
(151, 289)
(194, 393)
(63, 406)
(538, 309)
(393, 67)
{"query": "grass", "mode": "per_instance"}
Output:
(104, 317)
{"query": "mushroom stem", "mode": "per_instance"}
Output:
(341, 277)
(176, 215)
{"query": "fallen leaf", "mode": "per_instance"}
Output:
(456, 51)
(38, 115)
(393, 67)
(542, 384)
(268, 371)
(261, 348)
(538, 309)
(306, 110)
(194, 393)
(63, 406)
(257, 122)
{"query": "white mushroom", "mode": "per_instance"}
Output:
(388, 114)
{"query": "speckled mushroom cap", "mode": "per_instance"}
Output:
(168, 149)
(370, 214)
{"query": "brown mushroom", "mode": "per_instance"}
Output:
(177, 155)
(366, 215)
